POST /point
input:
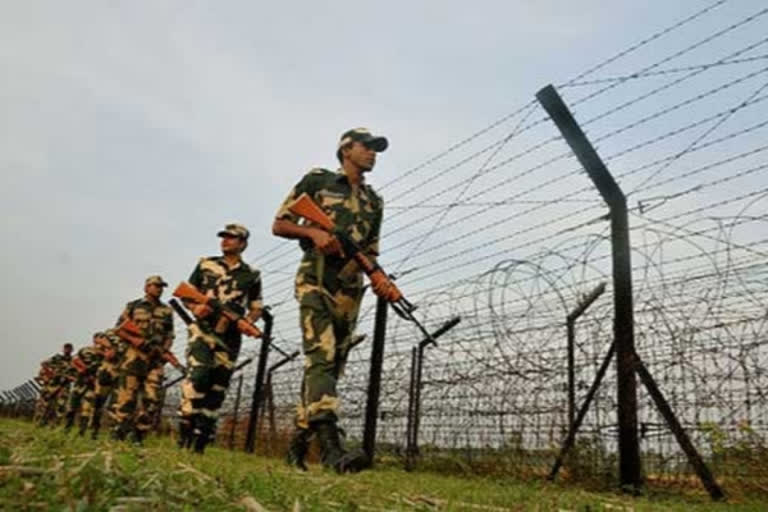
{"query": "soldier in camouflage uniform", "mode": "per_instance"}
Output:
(214, 341)
(136, 390)
(106, 379)
(57, 384)
(329, 288)
(86, 363)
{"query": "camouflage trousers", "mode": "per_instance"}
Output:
(77, 395)
(54, 401)
(209, 370)
(136, 393)
(106, 378)
(327, 326)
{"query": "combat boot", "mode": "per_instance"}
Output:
(96, 425)
(334, 456)
(120, 432)
(83, 427)
(138, 437)
(298, 449)
(185, 433)
(203, 433)
(70, 421)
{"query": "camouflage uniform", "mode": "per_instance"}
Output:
(56, 390)
(137, 387)
(106, 379)
(214, 344)
(330, 288)
(83, 387)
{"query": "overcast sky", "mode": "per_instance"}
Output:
(131, 132)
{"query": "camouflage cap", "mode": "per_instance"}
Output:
(375, 142)
(237, 230)
(155, 280)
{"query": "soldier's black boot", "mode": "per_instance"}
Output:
(138, 437)
(120, 432)
(83, 426)
(334, 456)
(185, 433)
(298, 449)
(96, 425)
(70, 421)
(204, 431)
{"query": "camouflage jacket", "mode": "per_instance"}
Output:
(155, 319)
(238, 287)
(92, 357)
(357, 211)
(61, 366)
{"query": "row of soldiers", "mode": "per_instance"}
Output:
(338, 232)
(126, 363)
(111, 367)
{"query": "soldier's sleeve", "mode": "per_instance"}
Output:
(305, 185)
(125, 315)
(196, 278)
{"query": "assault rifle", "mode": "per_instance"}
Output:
(109, 350)
(131, 333)
(79, 365)
(188, 292)
(306, 208)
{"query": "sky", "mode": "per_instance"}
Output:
(132, 132)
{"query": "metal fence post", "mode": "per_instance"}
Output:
(374, 379)
(258, 386)
(623, 325)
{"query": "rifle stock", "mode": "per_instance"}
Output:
(79, 365)
(169, 357)
(306, 208)
(131, 333)
(186, 291)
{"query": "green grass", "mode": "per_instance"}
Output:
(44, 469)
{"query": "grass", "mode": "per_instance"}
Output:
(44, 469)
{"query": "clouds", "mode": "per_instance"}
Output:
(131, 132)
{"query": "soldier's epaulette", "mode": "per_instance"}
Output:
(319, 170)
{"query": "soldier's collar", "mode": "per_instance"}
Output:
(223, 261)
(341, 175)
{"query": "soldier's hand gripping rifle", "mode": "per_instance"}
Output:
(131, 333)
(306, 208)
(188, 292)
(106, 347)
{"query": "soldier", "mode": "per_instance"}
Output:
(106, 378)
(214, 341)
(329, 289)
(86, 364)
(136, 390)
(57, 384)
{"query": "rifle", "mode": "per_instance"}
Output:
(107, 348)
(189, 292)
(169, 357)
(131, 333)
(79, 365)
(306, 208)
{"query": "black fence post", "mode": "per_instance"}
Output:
(236, 411)
(374, 379)
(570, 321)
(258, 386)
(414, 397)
(623, 326)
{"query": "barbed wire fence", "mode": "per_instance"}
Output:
(504, 229)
